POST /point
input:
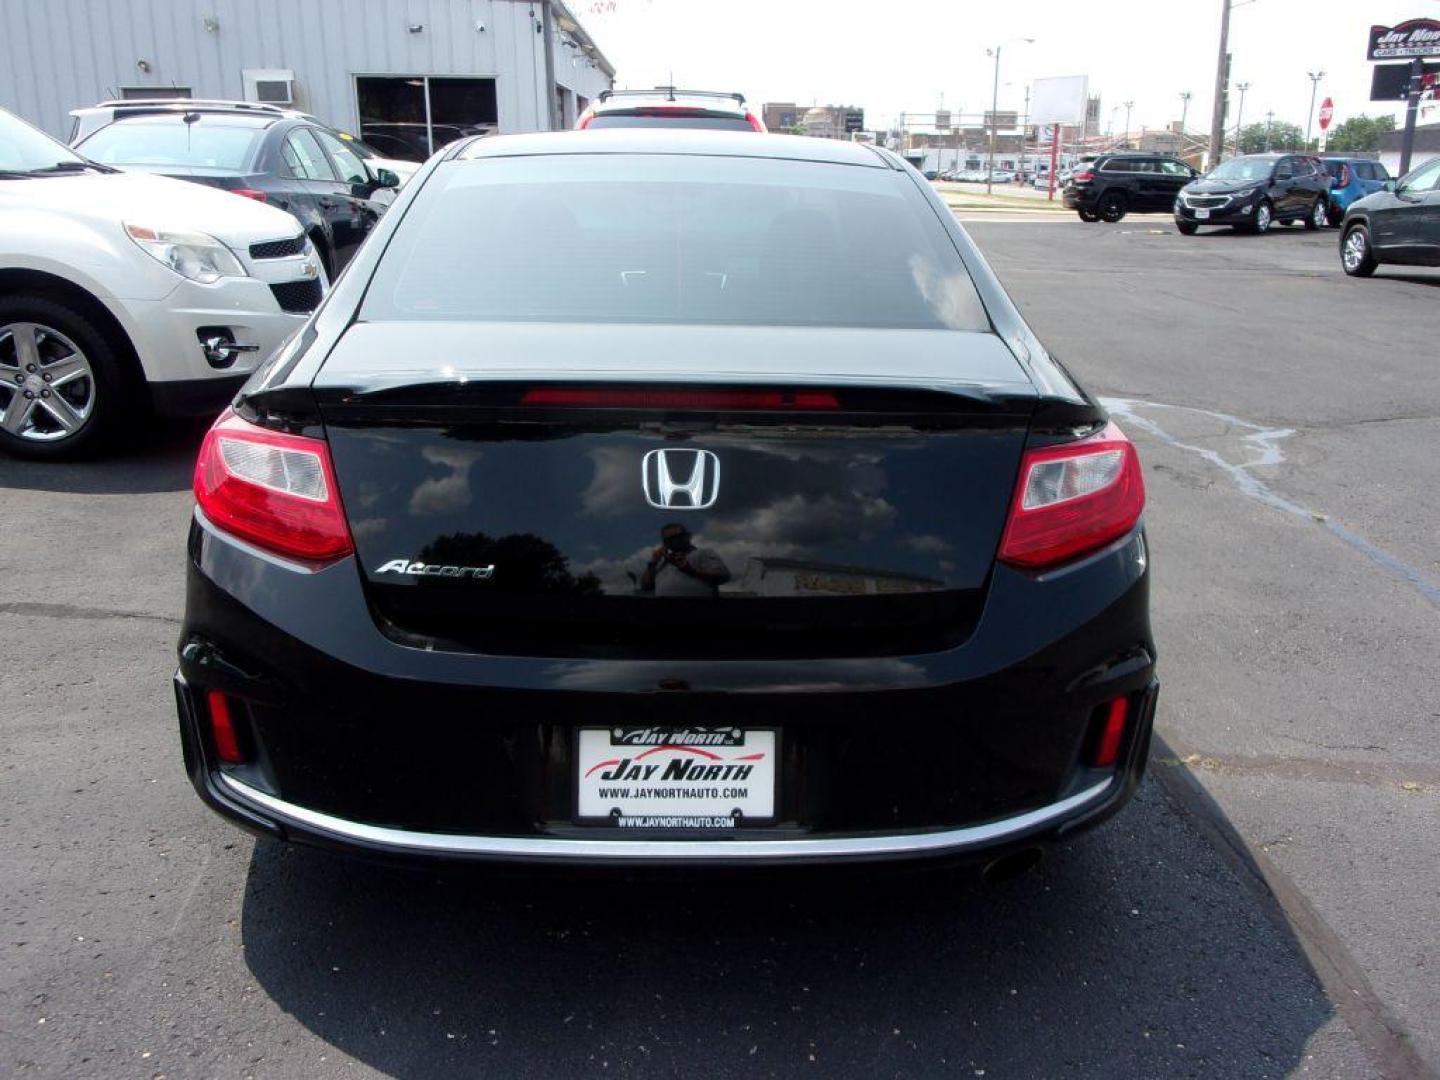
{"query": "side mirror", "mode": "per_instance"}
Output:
(1390, 185)
(386, 178)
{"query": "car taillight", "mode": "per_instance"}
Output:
(1083, 178)
(1344, 175)
(275, 490)
(1072, 499)
(754, 121)
(251, 193)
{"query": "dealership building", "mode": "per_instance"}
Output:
(407, 75)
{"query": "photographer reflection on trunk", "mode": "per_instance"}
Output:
(678, 568)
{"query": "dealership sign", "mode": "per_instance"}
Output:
(1414, 37)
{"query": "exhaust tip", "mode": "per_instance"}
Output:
(1011, 866)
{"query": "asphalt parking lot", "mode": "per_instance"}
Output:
(1267, 906)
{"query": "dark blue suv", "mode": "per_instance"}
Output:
(1354, 178)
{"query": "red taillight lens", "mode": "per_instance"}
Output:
(1084, 177)
(222, 729)
(251, 193)
(755, 122)
(1072, 499)
(601, 397)
(1108, 731)
(1344, 176)
(275, 490)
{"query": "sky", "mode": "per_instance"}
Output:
(893, 57)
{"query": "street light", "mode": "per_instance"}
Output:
(995, 106)
(1269, 121)
(1315, 77)
(1184, 112)
(1240, 115)
(1128, 106)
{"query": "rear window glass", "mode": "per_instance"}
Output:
(1335, 168)
(661, 120)
(673, 239)
(172, 142)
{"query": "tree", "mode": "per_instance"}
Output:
(1282, 136)
(1360, 134)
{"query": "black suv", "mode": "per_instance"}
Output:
(286, 162)
(1114, 185)
(1255, 191)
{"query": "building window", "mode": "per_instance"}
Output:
(410, 117)
(141, 93)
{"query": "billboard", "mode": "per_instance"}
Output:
(942, 120)
(1060, 100)
(1391, 82)
(854, 121)
(1414, 37)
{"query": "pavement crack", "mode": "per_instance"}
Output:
(1263, 445)
(73, 611)
(1402, 776)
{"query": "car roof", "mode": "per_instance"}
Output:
(675, 141)
(210, 119)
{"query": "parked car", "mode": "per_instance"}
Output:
(120, 293)
(1001, 176)
(784, 362)
(416, 142)
(1351, 179)
(1114, 185)
(92, 118)
(1254, 191)
(292, 164)
(1399, 226)
(667, 106)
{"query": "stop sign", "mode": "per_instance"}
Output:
(1327, 110)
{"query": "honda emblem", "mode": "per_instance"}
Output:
(680, 479)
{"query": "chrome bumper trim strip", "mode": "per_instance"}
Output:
(719, 849)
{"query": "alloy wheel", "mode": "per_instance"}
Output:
(1354, 251)
(1320, 215)
(47, 388)
(1263, 217)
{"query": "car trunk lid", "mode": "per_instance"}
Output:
(843, 492)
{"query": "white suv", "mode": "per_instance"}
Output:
(120, 292)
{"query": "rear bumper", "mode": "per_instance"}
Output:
(268, 815)
(363, 744)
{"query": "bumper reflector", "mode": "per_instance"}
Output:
(222, 728)
(1110, 725)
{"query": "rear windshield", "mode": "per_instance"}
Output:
(710, 121)
(673, 239)
(171, 141)
(1334, 168)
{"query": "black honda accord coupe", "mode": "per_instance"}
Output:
(667, 497)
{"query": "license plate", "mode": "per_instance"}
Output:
(1202, 214)
(676, 777)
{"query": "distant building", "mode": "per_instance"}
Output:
(1427, 146)
(407, 77)
(780, 116)
(818, 121)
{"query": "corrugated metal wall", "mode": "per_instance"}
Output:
(56, 55)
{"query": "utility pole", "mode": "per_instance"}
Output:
(1184, 112)
(1128, 106)
(1240, 115)
(994, 108)
(1412, 108)
(1315, 77)
(1269, 122)
(1222, 77)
